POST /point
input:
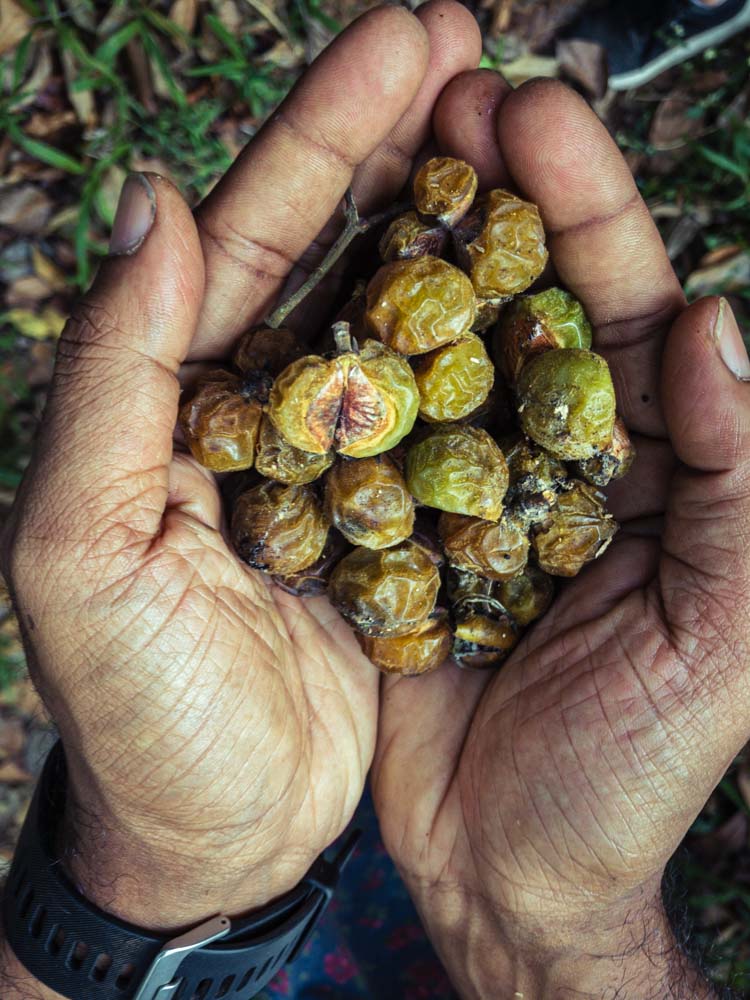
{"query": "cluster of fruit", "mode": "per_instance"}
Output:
(431, 493)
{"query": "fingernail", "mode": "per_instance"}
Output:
(135, 215)
(731, 345)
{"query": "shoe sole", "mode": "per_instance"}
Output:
(682, 51)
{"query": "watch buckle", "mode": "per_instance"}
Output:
(160, 981)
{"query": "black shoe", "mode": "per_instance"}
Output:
(643, 38)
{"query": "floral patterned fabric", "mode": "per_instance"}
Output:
(370, 943)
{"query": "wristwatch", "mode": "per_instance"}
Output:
(80, 951)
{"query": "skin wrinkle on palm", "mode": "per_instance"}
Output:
(423, 761)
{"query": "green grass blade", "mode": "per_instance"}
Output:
(42, 151)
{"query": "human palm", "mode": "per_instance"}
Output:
(218, 730)
(554, 791)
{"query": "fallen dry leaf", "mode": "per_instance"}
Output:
(24, 208)
(586, 63)
(539, 22)
(15, 25)
(12, 774)
(183, 14)
(48, 271)
(47, 324)
(730, 275)
(26, 291)
(527, 66)
(40, 61)
(673, 126)
(716, 256)
(42, 126)
(82, 100)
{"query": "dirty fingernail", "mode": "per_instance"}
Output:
(135, 215)
(731, 345)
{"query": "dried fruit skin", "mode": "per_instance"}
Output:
(359, 403)
(313, 580)
(528, 595)
(276, 459)
(460, 469)
(368, 502)
(501, 245)
(417, 305)
(445, 188)
(267, 350)
(536, 478)
(277, 528)
(415, 653)
(613, 462)
(453, 380)
(482, 641)
(537, 323)
(566, 403)
(385, 592)
(495, 550)
(221, 422)
(578, 530)
(408, 237)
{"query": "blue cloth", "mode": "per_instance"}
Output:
(370, 943)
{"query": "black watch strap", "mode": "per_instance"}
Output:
(81, 952)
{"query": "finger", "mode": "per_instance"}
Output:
(419, 746)
(705, 569)
(279, 194)
(645, 489)
(193, 490)
(604, 243)
(455, 43)
(455, 46)
(106, 442)
(465, 123)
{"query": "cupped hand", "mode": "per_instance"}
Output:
(218, 731)
(544, 801)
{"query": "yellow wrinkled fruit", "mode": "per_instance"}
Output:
(453, 380)
(417, 305)
(459, 469)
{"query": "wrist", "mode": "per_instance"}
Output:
(625, 951)
(160, 876)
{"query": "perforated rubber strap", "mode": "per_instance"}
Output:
(85, 954)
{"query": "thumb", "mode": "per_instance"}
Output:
(105, 446)
(705, 565)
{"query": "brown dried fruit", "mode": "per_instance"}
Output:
(578, 530)
(500, 243)
(279, 528)
(221, 420)
(496, 550)
(453, 380)
(417, 305)
(359, 403)
(538, 323)
(483, 640)
(276, 459)
(460, 469)
(536, 477)
(415, 653)
(267, 350)
(566, 403)
(445, 188)
(313, 581)
(408, 237)
(612, 462)
(528, 595)
(385, 592)
(368, 502)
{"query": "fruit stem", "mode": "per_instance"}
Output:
(354, 226)
(343, 338)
